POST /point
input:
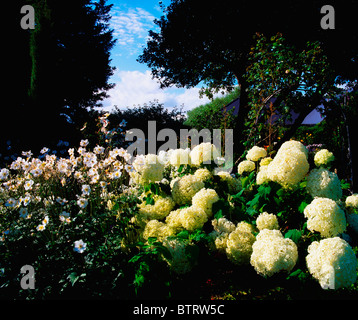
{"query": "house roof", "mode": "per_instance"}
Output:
(312, 118)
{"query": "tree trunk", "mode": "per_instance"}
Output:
(241, 117)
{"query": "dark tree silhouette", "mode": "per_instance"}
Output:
(59, 69)
(210, 41)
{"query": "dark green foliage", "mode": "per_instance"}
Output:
(215, 115)
(65, 69)
(138, 117)
(298, 80)
(212, 47)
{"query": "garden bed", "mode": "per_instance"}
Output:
(97, 225)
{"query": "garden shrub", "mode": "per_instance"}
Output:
(94, 225)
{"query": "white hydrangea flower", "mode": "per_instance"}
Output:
(147, 169)
(332, 262)
(204, 199)
(184, 188)
(239, 243)
(245, 166)
(290, 164)
(267, 221)
(323, 157)
(222, 229)
(352, 201)
(272, 253)
(292, 145)
(159, 210)
(261, 176)
(323, 183)
(203, 174)
(158, 229)
(256, 153)
(325, 216)
(203, 153)
(223, 225)
(193, 218)
(179, 156)
(189, 218)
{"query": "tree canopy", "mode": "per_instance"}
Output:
(62, 68)
(200, 41)
(209, 43)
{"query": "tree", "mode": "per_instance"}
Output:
(212, 114)
(67, 71)
(210, 42)
(138, 118)
(298, 80)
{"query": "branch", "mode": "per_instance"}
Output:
(315, 101)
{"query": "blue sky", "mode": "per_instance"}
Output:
(131, 21)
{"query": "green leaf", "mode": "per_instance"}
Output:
(264, 191)
(251, 212)
(73, 277)
(302, 206)
(280, 213)
(218, 214)
(165, 252)
(294, 274)
(183, 234)
(254, 201)
(294, 235)
(149, 200)
(280, 192)
(154, 188)
(152, 240)
(244, 182)
(300, 274)
(345, 185)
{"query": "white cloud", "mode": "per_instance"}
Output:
(133, 88)
(136, 88)
(131, 27)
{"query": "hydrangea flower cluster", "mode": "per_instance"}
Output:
(239, 243)
(256, 153)
(272, 253)
(290, 165)
(147, 169)
(159, 210)
(352, 201)
(222, 228)
(323, 183)
(203, 174)
(332, 262)
(267, 221)
(185, 188)
(323, 157)
(245, 166)
(326, 217)
(204, 153)
(178, 198)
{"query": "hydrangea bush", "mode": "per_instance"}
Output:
(98, 223)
